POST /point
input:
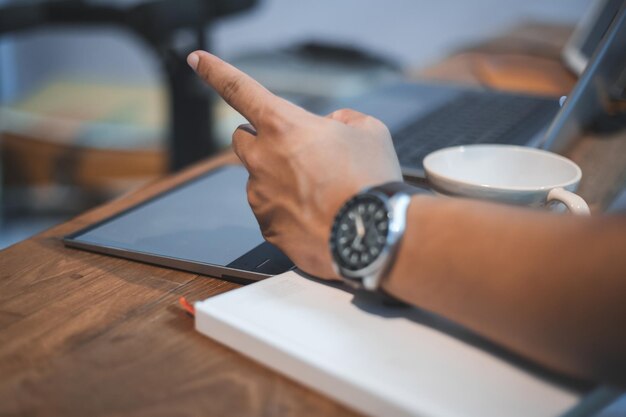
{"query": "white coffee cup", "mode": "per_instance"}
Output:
(507, 174)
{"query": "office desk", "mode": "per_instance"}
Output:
(85, 334)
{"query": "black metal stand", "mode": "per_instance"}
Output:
(160, 23)
(191, 121)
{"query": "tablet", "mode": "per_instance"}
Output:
(203, 226)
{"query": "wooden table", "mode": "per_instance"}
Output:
(83, 334)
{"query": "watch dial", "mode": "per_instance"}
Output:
(360, 232)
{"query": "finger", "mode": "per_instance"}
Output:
(358, 120)
(347, 116)
(239, 90)
(244, 138)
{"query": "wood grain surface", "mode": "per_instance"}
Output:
(83, 334)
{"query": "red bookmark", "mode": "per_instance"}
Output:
(187, 306)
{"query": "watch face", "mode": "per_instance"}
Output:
(359, 233)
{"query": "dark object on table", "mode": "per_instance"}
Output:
(172, 28)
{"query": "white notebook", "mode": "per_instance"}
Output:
(381, 361)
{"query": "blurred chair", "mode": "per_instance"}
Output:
(172, 28)
(77, 169)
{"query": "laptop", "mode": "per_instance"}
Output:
(425, 117)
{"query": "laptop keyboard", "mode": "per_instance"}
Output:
(474, 117)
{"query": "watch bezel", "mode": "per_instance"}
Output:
(396, 215)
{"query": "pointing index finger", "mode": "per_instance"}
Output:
(238, 89)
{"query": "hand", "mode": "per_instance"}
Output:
(302, 167)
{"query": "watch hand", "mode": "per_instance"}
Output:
(360, 231)
(360, 227)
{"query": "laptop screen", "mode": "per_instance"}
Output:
(589, 33)
(591, 96)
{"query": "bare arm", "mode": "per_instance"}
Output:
(550, 287)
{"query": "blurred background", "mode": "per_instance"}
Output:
(95, 98)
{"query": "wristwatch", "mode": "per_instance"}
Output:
(367, 231)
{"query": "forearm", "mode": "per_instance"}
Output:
(551, 287)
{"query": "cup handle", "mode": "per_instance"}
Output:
(574, 202)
